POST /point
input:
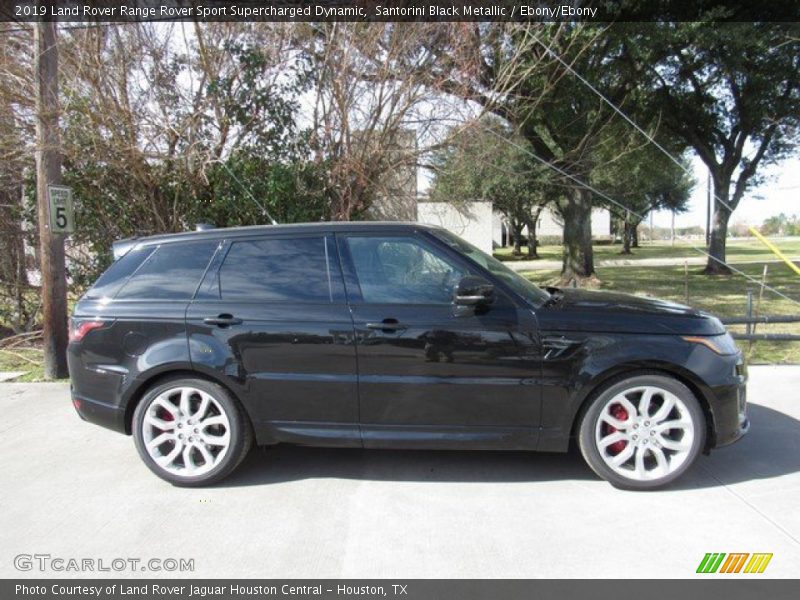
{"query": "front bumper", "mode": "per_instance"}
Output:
(729, 410)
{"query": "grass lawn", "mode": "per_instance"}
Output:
(738, 251)
(23, 359)
(722, 296)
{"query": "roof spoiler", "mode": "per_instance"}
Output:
(121, 247)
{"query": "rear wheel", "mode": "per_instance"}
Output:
(642, 432)
(191, 432)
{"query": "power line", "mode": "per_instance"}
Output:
(622, 206)
(261, 206)
(619, 111)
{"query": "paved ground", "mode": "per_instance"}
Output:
(74, 490)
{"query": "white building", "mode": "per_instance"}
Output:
(485, 228)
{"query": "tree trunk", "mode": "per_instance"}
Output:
(635, 236)
(716, 246)
(578, 257)
(719, 225)
(626, 238)
(627, 235)
(533, 243)
(516, 233)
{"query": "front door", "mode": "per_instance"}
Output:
(428, 374)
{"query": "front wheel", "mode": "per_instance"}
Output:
(191, 432)
(642, 432)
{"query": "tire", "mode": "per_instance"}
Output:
(623, 438)
(196, 448)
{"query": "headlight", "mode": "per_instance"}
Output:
(721, 344)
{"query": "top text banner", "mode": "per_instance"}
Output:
(376, 10)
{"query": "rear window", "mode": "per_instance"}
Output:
(117, 274)
(277, 270)
(171, 272)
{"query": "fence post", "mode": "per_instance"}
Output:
(686, 281)
(749, 326)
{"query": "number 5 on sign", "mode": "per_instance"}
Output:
(62, 215)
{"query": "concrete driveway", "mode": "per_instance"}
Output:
(73, 490)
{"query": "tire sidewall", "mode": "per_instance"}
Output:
(232, 412)
(590, 417)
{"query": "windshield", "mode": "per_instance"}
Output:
(518, 283)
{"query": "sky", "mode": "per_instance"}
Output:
(779, 193)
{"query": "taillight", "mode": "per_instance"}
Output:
(79, 328)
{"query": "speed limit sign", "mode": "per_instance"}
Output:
(62, 214)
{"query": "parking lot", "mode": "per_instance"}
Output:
(74, 490)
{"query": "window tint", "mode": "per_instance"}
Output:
(519, 284)
(172, 272)
(402, 270)
(117, 274)
(277, 270)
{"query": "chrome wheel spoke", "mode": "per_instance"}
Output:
(188, 459)
(645, 401)
(167, 460)
(210, 421)
(623, 456)
(159, 423)
(674, 445)
(208, 458)
(617, 436)
(160, 439)
(638, 461)
(168, 406)
(666, 408)
(217, 440)
(201, 411)
(186, 396)
(661, 460)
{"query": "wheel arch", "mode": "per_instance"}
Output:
(157, 378)
(623, 371)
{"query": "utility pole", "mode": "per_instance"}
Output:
(708, 208)
(48, 172)
(672, 234)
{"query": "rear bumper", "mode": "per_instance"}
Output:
(99, 413)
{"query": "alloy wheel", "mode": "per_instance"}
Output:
(644, 433)
(186, 431)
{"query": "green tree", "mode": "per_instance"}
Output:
(485, 161)
(511, 70)
(642, 180)
(732, 92)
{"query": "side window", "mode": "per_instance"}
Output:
(402, 270)
(172, 272)
(117, 274)
(277, 270)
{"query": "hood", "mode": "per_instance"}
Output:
(612, 312)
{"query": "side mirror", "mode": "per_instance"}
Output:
(473, 291)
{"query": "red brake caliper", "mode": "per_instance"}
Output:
(620, 414)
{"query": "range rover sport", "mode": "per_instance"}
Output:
(389, 335)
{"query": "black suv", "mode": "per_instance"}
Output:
(389, 335)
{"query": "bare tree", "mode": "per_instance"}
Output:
(367, 103)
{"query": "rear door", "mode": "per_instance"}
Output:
(271, 316)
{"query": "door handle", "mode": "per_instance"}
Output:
(222, 320)
(387, 325)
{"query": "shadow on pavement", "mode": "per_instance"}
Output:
(771, 449)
